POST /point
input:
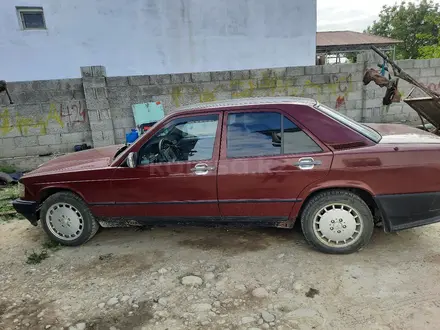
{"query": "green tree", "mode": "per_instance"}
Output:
(412, 23)
(431, 47)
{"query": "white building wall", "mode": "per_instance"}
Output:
(132, 37)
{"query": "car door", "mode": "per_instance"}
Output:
(162, 188)
(266, 160)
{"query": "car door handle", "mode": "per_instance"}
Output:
(202, 169)
(307, 163)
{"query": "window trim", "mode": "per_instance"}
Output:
(282, 134)
(36, 10)
(306, 132)
(224, 152)
(181, 119)
(342, 119)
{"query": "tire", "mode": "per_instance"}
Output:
(333, 215)
(5, 178)
(63, 213)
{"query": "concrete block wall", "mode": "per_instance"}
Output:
(48, 116)
(95, 91)
(338, 86)
(54, 115)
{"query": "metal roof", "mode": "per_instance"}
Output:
(349, 40)
(249, 101)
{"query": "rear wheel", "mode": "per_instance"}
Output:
(67, 219)
(337, 221)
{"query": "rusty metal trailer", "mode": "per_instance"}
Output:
(427, 107)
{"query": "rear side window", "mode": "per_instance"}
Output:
(252, 134)
(296, 141)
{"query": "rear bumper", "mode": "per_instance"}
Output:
(404, 211)
(28, 209)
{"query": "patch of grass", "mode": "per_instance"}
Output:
(7, 195)
(51, 245)
(7, 169)
(10, 217)
(9, 192)
(5, 206)
(36, 258)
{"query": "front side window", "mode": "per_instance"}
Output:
(182, 139)
(252, 134)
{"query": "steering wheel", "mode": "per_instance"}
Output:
(168, 150)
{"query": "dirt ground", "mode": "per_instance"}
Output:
(210, 278)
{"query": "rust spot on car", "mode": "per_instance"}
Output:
(285, 224)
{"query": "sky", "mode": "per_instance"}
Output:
(353, 15)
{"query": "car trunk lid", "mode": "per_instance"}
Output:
(404, 134)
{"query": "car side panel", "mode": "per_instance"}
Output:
(163, 190)
(391, 169)
(93, 186)
(265, 186)
(167, 191)
(404, 180)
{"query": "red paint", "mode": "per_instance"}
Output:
(340, 101)
(374, 167)
(73, 113)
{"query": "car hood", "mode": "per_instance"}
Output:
(403, 134)
(81, 160)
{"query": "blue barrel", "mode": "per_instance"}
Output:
(132, 136)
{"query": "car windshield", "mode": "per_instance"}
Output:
(358, 127)
(121, 150)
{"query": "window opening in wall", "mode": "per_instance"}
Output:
(31, 18)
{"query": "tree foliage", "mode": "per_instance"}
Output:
(415, 24)
(432, 47)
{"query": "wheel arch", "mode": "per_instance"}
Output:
(72, 199)
(44, 193)
(363, 191)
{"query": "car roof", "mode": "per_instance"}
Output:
(247, 102)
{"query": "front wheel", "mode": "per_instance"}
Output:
(67, 219)
(337, 221)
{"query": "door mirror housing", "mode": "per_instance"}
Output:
(132, 159)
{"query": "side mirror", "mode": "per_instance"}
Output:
(132, 159)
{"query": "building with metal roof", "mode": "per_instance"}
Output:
(335, 43)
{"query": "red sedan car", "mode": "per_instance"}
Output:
(257, 162)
